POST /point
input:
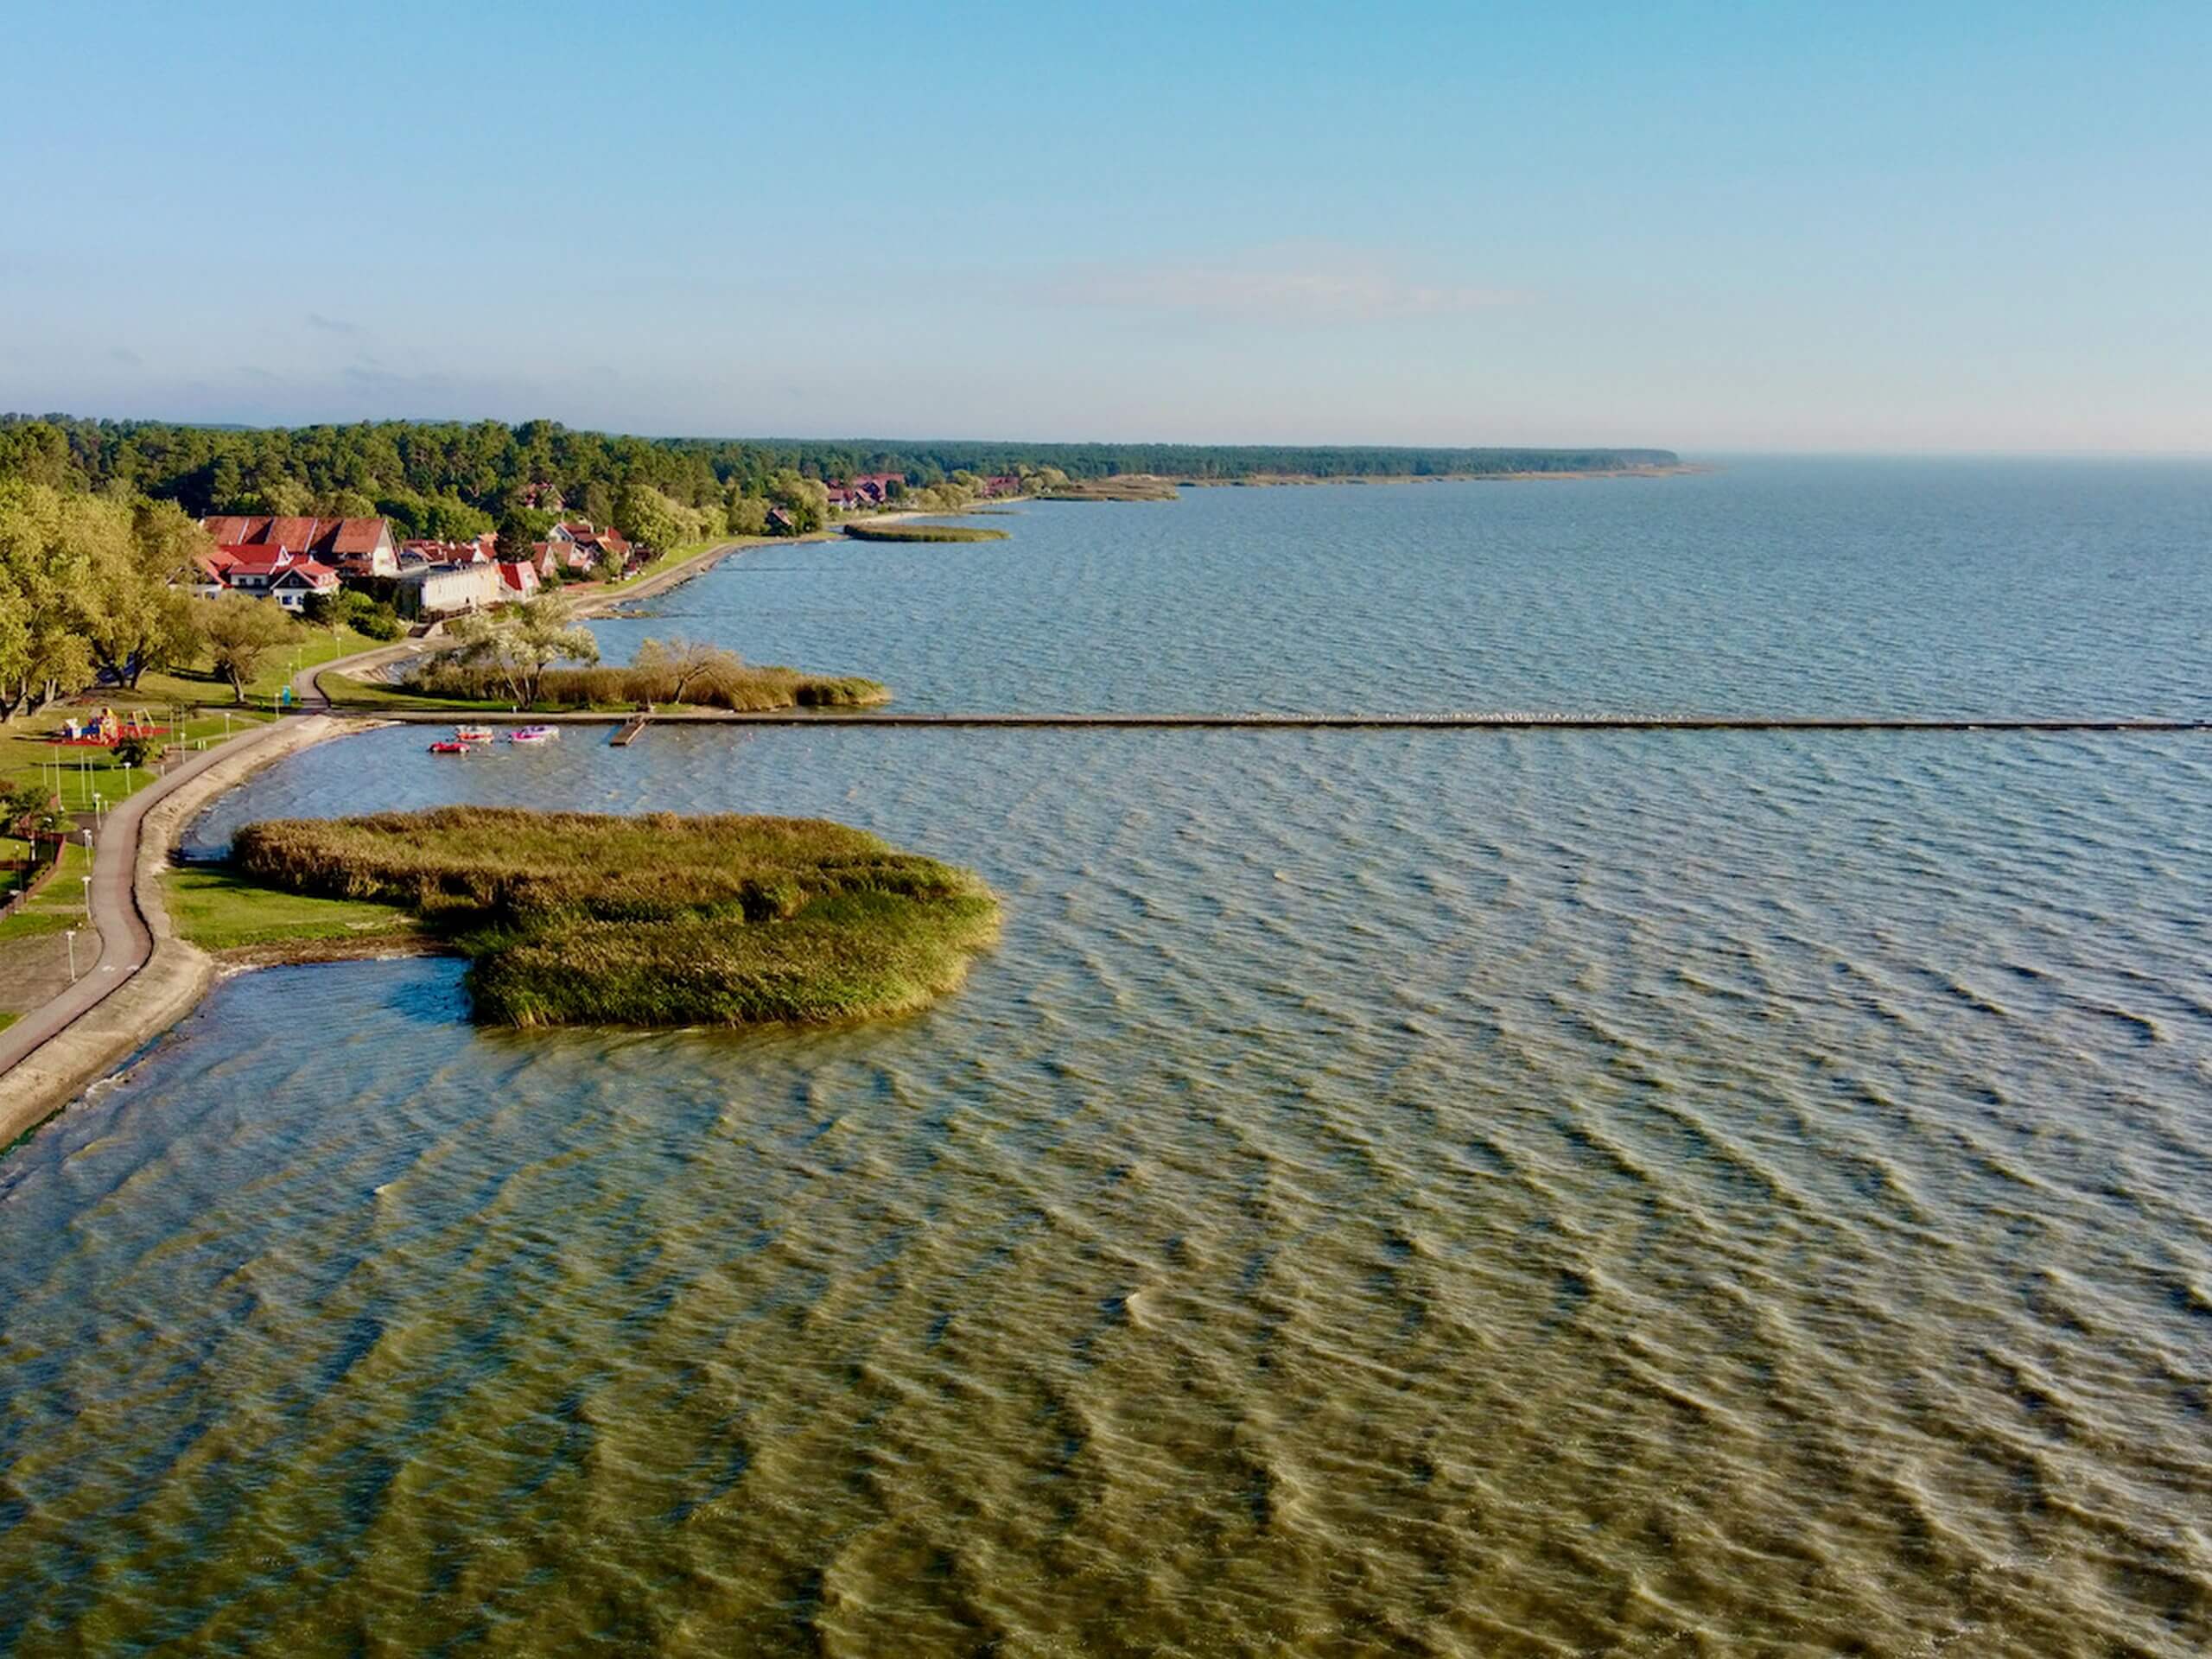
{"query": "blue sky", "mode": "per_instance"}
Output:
(1962, 226)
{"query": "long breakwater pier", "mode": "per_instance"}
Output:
(631, 723)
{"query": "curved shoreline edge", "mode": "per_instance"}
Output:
(146, 978)
(120, 1005)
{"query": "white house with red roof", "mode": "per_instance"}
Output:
(262, 573)
(354, 548)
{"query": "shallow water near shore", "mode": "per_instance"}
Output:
(1437, 1193)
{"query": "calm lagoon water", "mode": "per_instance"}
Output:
(1429, 1193)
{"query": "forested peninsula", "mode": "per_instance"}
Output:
(449, 480)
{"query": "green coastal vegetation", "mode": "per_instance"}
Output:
(864, 532)
(573, 918)
(449, 479)
(1131, 486)
(445, 682)
(512, 659)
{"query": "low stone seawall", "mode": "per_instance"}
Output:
(169, 984)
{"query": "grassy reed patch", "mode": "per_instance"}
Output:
(864, 532)
(654, 920)
(446, 683)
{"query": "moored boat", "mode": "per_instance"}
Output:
(533, 733)
(472, 734)
(451, 745)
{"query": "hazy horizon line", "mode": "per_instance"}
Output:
(890, 440)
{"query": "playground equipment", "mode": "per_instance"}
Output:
(105, 730)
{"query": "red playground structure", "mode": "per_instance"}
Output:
(105, 730)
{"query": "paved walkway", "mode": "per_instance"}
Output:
(126, 939)
(125, 942)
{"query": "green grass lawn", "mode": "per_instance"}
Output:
(58, 905)
(316, 647)
(34, 924)
(346, 692)
(217, 909)
(198, 707)
(25, 756)
(58, 902)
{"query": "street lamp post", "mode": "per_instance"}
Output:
(71, 934)
(88, 897)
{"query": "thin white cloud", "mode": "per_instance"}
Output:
(1273, 287)
(337, 325)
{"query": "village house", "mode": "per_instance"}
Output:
(434, 590)
(354, 548)
(869, 490)
(482, 550)
(209, 568)
(584, 548)
(518, 579)
(291, 580)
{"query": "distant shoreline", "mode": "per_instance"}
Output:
(1270, 480)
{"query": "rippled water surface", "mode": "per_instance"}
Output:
(1799, 587)
(1426, 1192)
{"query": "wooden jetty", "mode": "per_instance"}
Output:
(628, 732)
(631, 725)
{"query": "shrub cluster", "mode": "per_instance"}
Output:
(744, 688)
(867, 532)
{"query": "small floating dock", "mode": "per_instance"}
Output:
(628, 732)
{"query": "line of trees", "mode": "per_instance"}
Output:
(95, 589)
(449, 480)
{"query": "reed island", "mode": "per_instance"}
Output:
(899, 532)
(581, 918)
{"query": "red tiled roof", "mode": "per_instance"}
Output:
(357, 538)
(353, 536)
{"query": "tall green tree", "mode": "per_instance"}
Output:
(804, 499)
(240, 632)
(43, 567)
(522, 641)
(130, 608)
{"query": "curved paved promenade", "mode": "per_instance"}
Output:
(145, 978)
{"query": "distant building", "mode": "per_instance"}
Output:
(433, 590)
(517, 579)
(354, 548)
